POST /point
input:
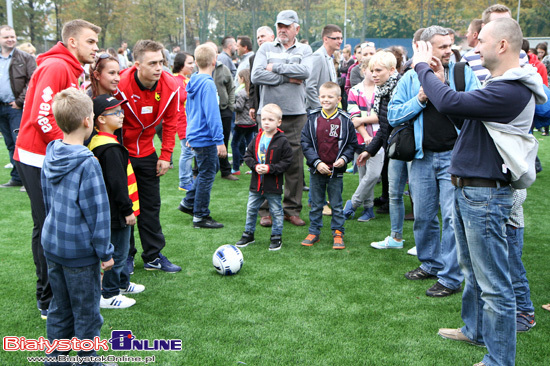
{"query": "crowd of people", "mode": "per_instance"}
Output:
(335, 107)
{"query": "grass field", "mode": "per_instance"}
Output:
(297, 306)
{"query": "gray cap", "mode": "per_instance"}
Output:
(287, 17)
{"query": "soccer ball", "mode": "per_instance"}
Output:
(228, 260)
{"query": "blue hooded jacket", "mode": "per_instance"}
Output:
(204, 123)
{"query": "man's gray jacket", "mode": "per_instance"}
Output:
(319, 64)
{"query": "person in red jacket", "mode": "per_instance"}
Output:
(58, 69)
(153, 96)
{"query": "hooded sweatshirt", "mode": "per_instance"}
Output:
(204, 123)
(77, 229)
(506, 100)
(58, 69)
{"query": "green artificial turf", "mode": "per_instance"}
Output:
(298, 306)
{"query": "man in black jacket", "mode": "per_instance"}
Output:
(16, 69)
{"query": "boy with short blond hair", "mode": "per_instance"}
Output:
(328, 142)
(205, 136)
(120, 181)
(76, 233)
(269, 155)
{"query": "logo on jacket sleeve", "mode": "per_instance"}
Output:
(47, 94)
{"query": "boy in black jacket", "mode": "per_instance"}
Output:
(123, 199)
(269, 155)
(328, 142)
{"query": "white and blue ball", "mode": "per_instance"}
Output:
(228, 260)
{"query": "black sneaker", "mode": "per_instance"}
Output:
(379, 201)
(247, 238)
(439, 290)
(419, 274)
(207, 223)
(186, 210)
(276, 242)
(384, 209)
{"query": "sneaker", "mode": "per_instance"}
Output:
(130, 264)
(439, 290)
(338, 240)
(162, 263)
(379, 201)
(247, 238)
(367, 215)
(186, 187)
(306, 189)
(275, 242)
(412, 251)
(184, 209)
(207, 223)
(327, 211)
(238, 172)
(524, 322)
(388, 243)
(116, 302)
(8, 166)
(457, 335)
(133, 288)
(349, 211)
(310, 240)
(43, 312)
(248, 172)
(384, 209)
(419, 274)
(11, 183)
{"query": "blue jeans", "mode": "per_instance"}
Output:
(368, 176)
(118, 277)
(514, 237)
(397, 179)
(240, 135)
(74, 309)
(255, 200)
(488, 300)
(186, 164)
(198, 197)
(431, 189)
(319, 186)
(10, 119)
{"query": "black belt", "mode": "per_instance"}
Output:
(476, 182)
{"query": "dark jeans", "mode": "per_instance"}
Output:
(118, 277)
(30, 177)
(240, 135)
(319, 186)
(198, 197)
(148, 221)
(74, 310)
(227, 117)
(10, 119)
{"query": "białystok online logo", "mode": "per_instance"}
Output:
(121, 340)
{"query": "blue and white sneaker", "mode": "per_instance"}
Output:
(186, 187)
(388, 243)
(367, 215)
(116, 302)
(133, 288)
(163, 264)
(349, 211)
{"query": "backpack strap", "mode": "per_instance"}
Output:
(460, 79)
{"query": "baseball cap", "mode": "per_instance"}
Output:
(287, 17)
(104, 102)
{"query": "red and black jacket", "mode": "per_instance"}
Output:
(278, 157)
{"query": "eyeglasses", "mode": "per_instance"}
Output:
(118, 113)
(335, 38)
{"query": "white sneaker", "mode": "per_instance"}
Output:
(412, 251)
(116, 302)
(133, 288)
(8, 166)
